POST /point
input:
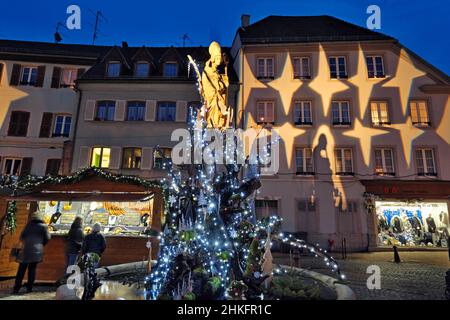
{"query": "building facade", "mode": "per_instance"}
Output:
(356, 112)
(38, 104)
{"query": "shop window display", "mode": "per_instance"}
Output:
(117, 218)
(412, 224)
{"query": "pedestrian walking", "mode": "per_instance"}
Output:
(74, 241)
(34, 237)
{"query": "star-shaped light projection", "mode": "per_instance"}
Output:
(19, 98)
(408, 133)
(444, 129)
(364, 134)
(322, 81)
(359, 80)
(403, 78)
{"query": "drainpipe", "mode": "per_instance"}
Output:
(80, 95)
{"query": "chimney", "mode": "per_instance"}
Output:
(124, 44)
(245, 20)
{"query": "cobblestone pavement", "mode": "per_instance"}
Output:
(420, 275)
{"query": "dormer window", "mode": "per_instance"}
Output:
(170, 69)
(113, 69)
(142, 69)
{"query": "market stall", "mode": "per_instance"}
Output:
(129, 209)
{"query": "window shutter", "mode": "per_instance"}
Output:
(1, 72)
(147, 159)
(150, 110)
(181, 112)
(52, 167)
(89, 111)
(119, 113)
(26, 166)
(56, 77)
(83, 157)
(114, 160)
(46, 125)
(80, 72)
(40, 76)
(15, 75)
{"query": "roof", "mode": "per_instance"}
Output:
(285, 29)
(156, 56)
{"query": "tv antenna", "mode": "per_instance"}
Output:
(98, 17)
(57, 35)
(185, 38)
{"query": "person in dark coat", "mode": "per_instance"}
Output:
(94, 242)
(74, 241)
(34, 237)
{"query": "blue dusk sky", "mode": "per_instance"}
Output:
(422, 26)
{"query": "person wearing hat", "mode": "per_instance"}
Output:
(34, 237)
(94, 242)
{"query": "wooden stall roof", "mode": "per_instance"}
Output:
(92, 186)
(408, 189)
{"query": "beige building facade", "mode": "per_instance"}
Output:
(349, 108)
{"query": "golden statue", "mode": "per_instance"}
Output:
(215, 90)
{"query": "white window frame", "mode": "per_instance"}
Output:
(375, 74)
(74, 74)
(265, 118)
(155, 152)
(22, 71)
(107, 69)
(136, 68)
(133, 157)
(301, 74)
(176, 69)
(13, 159)
(61, 134)
(341, 118)
(338, 71)
(299, 110)
(419, 122)
(101, 156)
(384, 170)
(342, 154)
(304, 170)
(424, 162)
(265, 74)
(379, 111)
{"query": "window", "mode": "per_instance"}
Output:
(301, 68)
(352, 207)
(344, 161)
(53, 167)
(266, 208)
(62, 125)
(375, 67)
(100, 157)
(142, 69)
(384, 162)
(341, 112)
(419, 113)
(162, 158)
(132, 158)
(338, 69)
(306, 205)
(105, 111)
(304, 161)
(29, 76)
(425, 162)
(136, 111)
(18, 124)
(113, 69)
(170, 69)
(265, 68)
(265, 112)
(302, 111)
(12, 166)
(379, 112)
(166, 111)
(193, 108)
(68, 77)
